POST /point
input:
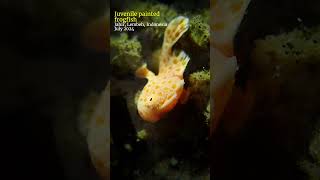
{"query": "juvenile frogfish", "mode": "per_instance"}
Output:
(163, 91)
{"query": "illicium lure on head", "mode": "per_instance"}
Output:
(162, 92)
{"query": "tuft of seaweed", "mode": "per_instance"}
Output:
(199, 86)
(200, 30)
(300, 46)
(207, 114)
(125, 54)
(171, 169)
(293, 55)
(285, 66)
(311, 164)
(199, 27)
(167, 14)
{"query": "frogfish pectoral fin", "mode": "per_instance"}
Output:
(179, 63)
(144, 72)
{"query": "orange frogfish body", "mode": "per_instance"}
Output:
(162, 92)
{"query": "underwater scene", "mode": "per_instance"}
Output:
(265, 89)
(160, 89)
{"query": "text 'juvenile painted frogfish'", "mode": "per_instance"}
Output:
(162, 92)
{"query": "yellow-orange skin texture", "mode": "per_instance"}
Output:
(163, 91)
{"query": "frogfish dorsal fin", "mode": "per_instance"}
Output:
(178, 64)
(175, 29)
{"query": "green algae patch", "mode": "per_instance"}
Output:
(126, 54)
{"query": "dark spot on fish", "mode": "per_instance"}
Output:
(150, 99)
(315, 41)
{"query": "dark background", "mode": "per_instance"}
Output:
(42, 61)
(260, 149)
